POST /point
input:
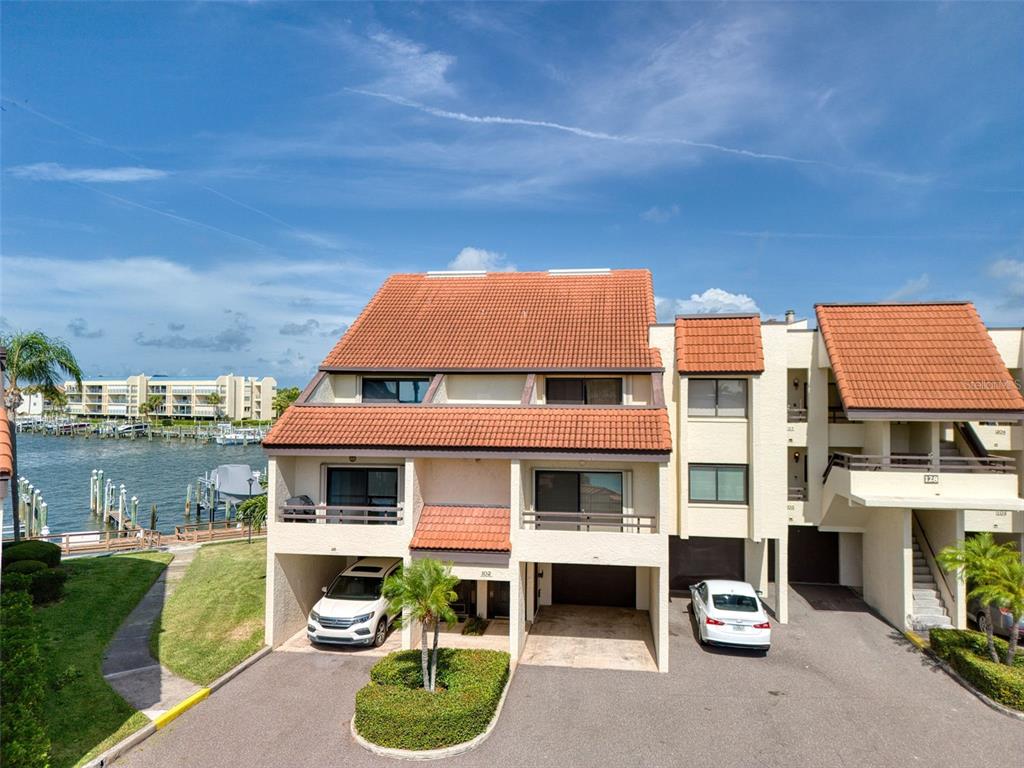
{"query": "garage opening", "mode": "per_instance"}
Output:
(609, 585)
(813, 555)
(703, 557)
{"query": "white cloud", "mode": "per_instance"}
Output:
(397, 64)
(478, 258)
(712, 301)
(143, 329)
(57, 172)
(911, 288)
(660, 215)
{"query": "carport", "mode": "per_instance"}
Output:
(295, 582)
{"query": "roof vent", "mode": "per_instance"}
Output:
(584, 271)
(790, 317)
(457, 273)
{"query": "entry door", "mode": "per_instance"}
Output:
(497, 600)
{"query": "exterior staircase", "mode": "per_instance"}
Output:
(929, 610)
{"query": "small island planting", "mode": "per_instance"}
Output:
(431, 698)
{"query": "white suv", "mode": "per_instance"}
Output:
(352, 611)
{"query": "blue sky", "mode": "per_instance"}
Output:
(193, 188)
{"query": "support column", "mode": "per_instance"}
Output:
(782, 580)
(516, 612)
(481, 599)
(756, 563)
(407, 622)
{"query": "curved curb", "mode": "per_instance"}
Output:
(946, 667)
(134, 739)
(433, 754)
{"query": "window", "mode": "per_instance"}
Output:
(739, 603)
(583, 391)
(718, 397)
(598, 493)
(721, 483)
(395, 390)
(369, 487)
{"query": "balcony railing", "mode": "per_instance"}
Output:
(797, 494)
(621, 522)
(327, 513)
(1000, 465)
(797, 415)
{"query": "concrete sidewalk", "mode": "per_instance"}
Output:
(127, 664)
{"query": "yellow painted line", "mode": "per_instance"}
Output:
(916, 639)
(183, 706)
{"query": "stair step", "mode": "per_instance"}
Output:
(925, 592)
(930, 622)
(922, 570)
(926, 612)
(928, 602)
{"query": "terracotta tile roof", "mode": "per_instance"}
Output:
(531, 321)
(425, 427)
(463, 528)
(919, 357)
(719, 344)
(6, 449)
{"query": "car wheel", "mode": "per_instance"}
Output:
(982, 622)
(380, 634)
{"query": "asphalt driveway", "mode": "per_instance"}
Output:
(839, 688)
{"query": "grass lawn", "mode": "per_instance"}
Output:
(84, 716)
(214, 619)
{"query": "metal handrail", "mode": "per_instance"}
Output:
(628, 522)
(334, 513)
(919, 463)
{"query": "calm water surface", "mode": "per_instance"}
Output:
(157, 472)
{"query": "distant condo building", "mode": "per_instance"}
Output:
(228, 396)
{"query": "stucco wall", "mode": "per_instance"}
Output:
(851, 559)
(711, 440)
(768, 485)
(484, 388)
(945, 528)
(464, 481)
(1010, 344)
(887, 564)
(294, 587)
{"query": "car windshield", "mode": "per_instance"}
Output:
(744, 603)
(355, 588)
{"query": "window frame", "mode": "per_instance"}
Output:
(717, 466)
(398, 380)
(583, 386)
(716, 414)
(325, 470)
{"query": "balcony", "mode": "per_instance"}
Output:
(324, 513)
(117, 410)
(614, 522)
(923, 482)
(796, 415)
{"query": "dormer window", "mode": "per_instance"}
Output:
(395, 390)
(559, 391)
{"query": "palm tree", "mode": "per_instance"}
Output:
(215, 400)
(37, 360)
(976, 559)
(33, 360)
(424, 592)
(1004, 589)
(284, 398)
(151, 404)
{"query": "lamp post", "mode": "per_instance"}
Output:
(250, 510)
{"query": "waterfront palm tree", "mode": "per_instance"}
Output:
(978, 560)
(33, 359)
(216, 401)
(151, 404)
(1004, 589)
(38, 361)
(425, 590)
(284, 398)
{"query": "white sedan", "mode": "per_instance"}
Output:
(730, 613)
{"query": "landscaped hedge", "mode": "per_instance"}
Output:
(45, 584)
(395, 711)
(23, 740)
(967, 653)
(44, 551)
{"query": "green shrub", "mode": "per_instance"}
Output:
(23, 740)
(48, 586)
(28, 567)
(945, 641)
(15, 582)
(44, 551)
(395, 711)
(967, 653)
